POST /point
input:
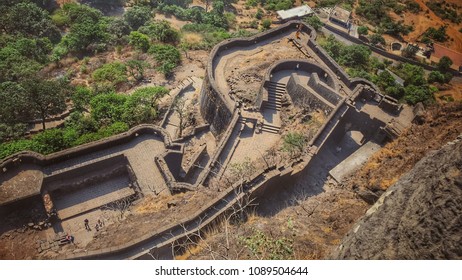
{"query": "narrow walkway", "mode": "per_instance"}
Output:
(140, 153)
(172, 122)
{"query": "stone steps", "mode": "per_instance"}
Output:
(270, 128)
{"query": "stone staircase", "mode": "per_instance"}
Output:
(267, 127)
(275, 92)
(271, 128)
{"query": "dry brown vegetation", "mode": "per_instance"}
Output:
(316, 224)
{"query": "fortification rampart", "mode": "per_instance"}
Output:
(304, 97)
(41, 161)
(293, 64)
(221, 113)
(217, 107)
(323, 89)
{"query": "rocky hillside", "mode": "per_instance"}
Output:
(419, 217)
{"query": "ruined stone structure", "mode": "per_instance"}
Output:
(316, 84)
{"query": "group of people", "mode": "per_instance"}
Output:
(98, 226)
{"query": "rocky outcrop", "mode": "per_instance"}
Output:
(419, 217)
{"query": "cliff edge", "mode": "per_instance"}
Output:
(419, 217)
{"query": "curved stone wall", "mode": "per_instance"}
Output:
(39, 160)
(122, 138)
(216, 107)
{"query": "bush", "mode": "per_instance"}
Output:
(137, 16)
(111, 74)
(9, 148)
(294, 143)
(161, 31)
(259, 14)
(139, 40)
(60, 18)
(377, 39)
(12, 131)
(251, 3)
(438, 77)
(416, 94)
(363, 30)
(167, 56)
(50, 141)
(266, 24)
(314, 22)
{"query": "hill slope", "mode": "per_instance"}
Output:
(419, 217)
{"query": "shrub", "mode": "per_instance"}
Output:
(314, 22)
(363, 30)
(139, 40)
(111, 74)
(259, 14)
(166, 56)
(444, 64)
(137, 16)
(9, 148)
(50, 141)
(161, 31)
(266, 24)
(294, 142)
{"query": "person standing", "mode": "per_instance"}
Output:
(87, 225)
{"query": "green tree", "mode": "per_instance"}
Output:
(333, 47)
(412, 74)
(415, 94)
(218, 7)
(166, 56)
(112, 74)
(46, 97)
(118, 28)
(108, 108)
(86, 35)
(35, 49)
(141, 107)
(27, 19)
(437, 34)
(15, 106)
(161, 31)
(363, 30)
(137, 16)
(136, 69)
(139, 40)
(438, 77)
(314, 22)
(14, 66)
(376, 39)
(444, 64)
(81, 98)
(355, 56)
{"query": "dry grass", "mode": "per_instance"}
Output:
(192, 38)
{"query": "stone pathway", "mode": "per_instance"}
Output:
(140, 153)
(91, 197)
